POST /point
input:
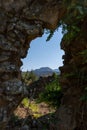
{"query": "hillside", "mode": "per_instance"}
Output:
(45, 71)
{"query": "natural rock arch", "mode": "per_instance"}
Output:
(20, 22)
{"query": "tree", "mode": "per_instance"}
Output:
(29, 77)
(52, 94)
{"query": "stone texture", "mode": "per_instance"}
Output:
(22, 21)
(73, 112)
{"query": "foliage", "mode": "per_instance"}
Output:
(52, 94)
(51, 33)
(76, 10)
(28, 77)
(32, 106)
(74, 17)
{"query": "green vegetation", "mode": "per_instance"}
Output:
(71, 23)
(52, 93)
(29, 77)
(33, 107)
(76, 10)
(75, 16)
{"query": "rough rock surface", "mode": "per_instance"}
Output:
(73, 110)
(22, 21)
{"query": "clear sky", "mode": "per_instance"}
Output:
(44, 54)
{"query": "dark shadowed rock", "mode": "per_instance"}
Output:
(22, 21)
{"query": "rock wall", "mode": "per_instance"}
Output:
(73, 110)
(22, 21)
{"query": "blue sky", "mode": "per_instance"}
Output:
(44, 54)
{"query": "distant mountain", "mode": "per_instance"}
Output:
(45, 71)
(57, 71)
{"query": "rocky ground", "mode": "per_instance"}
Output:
(22, 120)
(37, 110)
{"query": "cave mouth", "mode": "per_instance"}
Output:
(44, 54)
